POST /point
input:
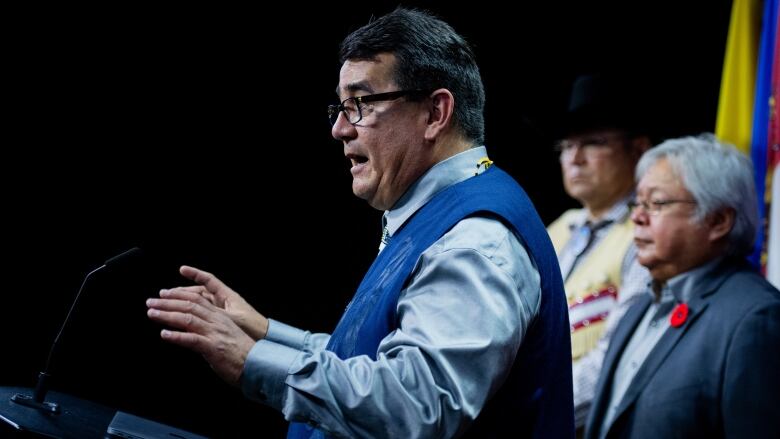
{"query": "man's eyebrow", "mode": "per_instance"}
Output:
(356, 86)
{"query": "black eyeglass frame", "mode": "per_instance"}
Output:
(334, 110)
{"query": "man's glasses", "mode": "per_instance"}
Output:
(590, 145)
(353, 107)
(654, 207)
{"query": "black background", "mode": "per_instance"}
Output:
(183, 129)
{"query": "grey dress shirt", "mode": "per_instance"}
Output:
(462, 317)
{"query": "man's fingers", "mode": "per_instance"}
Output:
(201, 277)
(185, 303)
(188, 340)
(211, 298)
(187, 295)
(195, 289)
(212, 283)
(177, 319)
(192, 289)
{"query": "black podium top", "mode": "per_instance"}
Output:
(77, 419)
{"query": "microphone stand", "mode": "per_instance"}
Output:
(62, 416)
(38, 399)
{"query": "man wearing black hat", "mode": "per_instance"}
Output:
(603, 135)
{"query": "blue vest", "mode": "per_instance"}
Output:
(536, 400)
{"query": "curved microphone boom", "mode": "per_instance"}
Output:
(38, 397)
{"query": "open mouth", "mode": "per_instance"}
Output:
(356, 159)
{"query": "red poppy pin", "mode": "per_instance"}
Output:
(679, 315)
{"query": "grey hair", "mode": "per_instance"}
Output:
(718, 176)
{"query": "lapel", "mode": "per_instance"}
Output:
(696, 306)
(618, 342)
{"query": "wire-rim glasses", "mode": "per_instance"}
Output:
(654, 207)
(591, 145)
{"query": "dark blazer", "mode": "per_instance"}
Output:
(717, 375)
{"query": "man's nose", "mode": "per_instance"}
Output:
(342, 129)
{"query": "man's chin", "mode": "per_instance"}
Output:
(361, 192)
(579, 193)
(647, 260)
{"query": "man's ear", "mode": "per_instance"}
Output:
(721, 222)
(440, 109)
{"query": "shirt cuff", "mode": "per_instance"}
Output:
(287, 335)
(265, 371)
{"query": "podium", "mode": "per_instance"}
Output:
(77, 418)
(38, 412)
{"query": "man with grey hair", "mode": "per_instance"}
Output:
(699, 356)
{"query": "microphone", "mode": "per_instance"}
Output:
(37, 400)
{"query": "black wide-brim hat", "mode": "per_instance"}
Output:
(599, 101)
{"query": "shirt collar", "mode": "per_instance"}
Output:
(617, 214)
(682, 286)
(441, 175)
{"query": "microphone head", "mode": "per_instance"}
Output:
(124, 256)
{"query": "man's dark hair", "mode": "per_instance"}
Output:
(429, 55)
